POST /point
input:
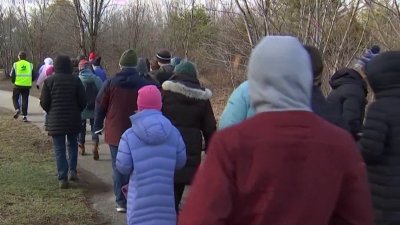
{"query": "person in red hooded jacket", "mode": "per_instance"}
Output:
(285, 165)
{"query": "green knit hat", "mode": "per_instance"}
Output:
(187, 68)
(128, 58)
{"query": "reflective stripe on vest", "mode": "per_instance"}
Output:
(23, 73)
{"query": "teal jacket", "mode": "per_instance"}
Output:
(87, 76)
(238, 107)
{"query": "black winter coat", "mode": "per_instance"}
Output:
(188, 107)
(348, 96)
(326, 110)
(380, 142)
(63, 98)
(164, 73)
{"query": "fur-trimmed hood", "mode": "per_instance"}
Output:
(190, 91)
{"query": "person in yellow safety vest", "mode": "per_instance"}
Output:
(22, 76)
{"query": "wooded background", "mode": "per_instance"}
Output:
(216, 34)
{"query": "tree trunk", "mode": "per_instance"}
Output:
(80, 18)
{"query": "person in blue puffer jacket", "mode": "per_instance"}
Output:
(150, 152)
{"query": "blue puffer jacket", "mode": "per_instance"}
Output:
(150, 151)
(238, 107)
(100, 73)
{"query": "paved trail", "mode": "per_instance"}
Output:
(99, 172)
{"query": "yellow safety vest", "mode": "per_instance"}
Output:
(23, 73)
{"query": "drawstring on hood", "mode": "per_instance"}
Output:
(280, 75)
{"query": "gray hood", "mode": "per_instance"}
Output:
(280, 75)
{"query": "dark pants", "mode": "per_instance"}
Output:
(179, 188)
(82, 134)
(119, 179)
(64, 165)
(24, 93)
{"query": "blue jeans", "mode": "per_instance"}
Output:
(82, 134)
(59, 145)
(119, 179)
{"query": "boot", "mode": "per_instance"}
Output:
(72, 175)
(81, 149)
(63, 184)
(96, 151)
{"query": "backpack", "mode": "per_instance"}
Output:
(91, 94)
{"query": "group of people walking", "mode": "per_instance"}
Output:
(284, 154)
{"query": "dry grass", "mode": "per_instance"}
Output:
(29, 190)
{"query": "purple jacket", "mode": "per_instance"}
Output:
(150, 152)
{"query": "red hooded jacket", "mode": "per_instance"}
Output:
(280, 168)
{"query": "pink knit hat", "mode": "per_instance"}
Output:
(83, 64)
(149, 98)
(49, 71)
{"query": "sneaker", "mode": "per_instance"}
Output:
(72, 176)
(120, 209)
(96, 151)
(63, 184)
(81, 149)
(17, 113)
(24, 119)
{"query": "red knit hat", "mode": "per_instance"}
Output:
(149, 98)
(92, 56)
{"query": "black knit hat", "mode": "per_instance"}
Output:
(63, 64)
(163, 56)
(97, 61)
(375, 49)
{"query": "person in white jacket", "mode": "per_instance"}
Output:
(46, 70)
(48, 62)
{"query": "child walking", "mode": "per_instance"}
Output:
(150, 152)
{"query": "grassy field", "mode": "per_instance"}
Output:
(29, 192)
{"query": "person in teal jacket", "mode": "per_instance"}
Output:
(238, 107)
(92, 84)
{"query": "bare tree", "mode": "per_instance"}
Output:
(89, 16)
